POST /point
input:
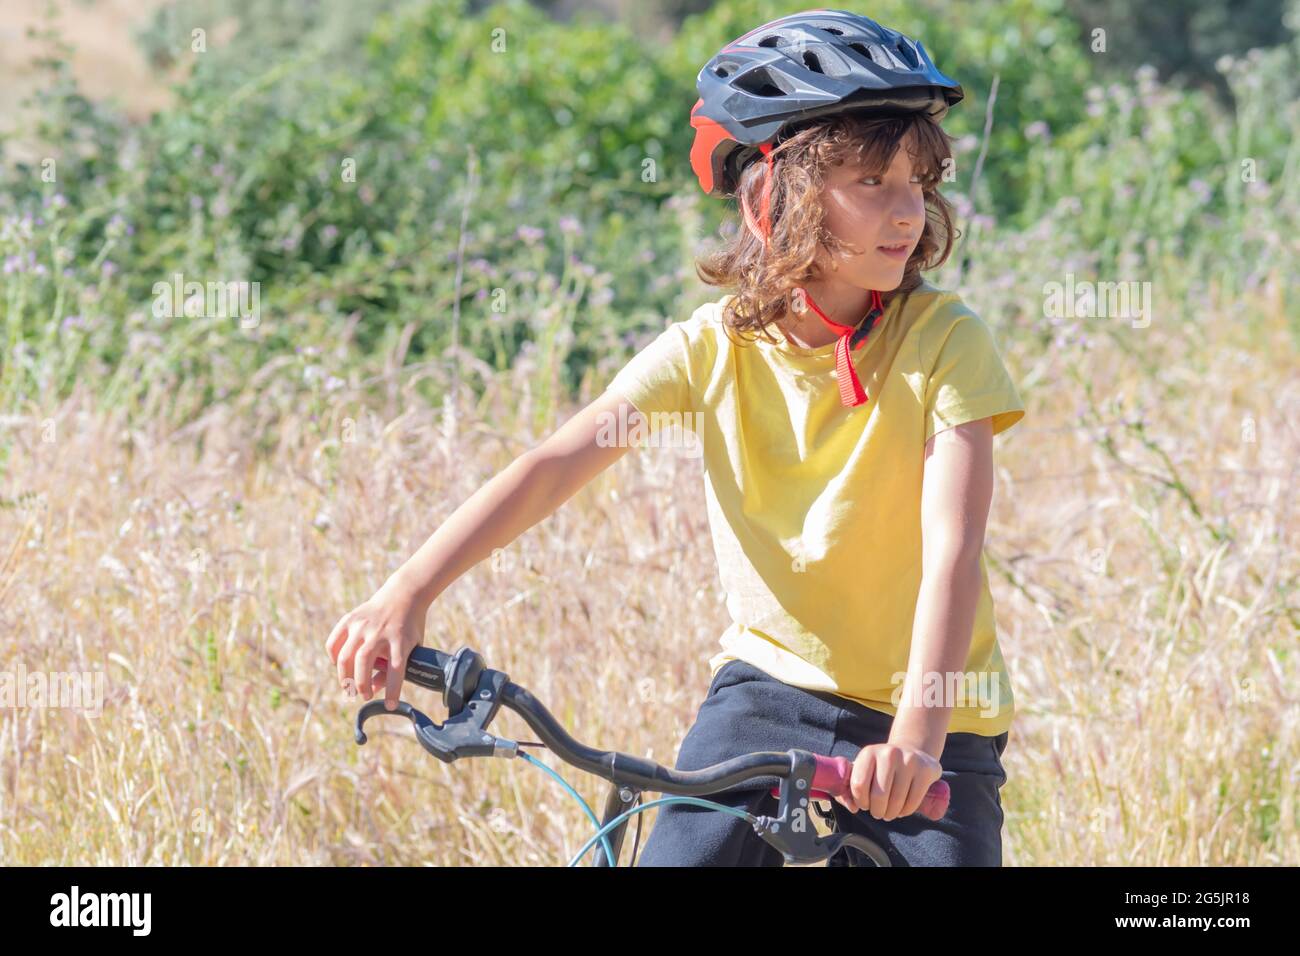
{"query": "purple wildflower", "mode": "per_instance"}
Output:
(1037, 130)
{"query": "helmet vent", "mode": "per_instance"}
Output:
(810, 60)
(773, 40)
(759, 82)
(863, 49)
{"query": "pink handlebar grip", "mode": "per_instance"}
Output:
(831, 775)
(831, 779)
(935, 802)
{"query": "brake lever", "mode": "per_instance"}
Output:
(793, 835)
(463, 735)
(791, 830)
(403, 709)
(835, 842)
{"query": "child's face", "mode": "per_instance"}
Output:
(871, 213)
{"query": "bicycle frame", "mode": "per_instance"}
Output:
(474, 693)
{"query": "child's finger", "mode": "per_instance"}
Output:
(392, 684)
(336, 637)
(883, 780)
(860, 779)
(365, 668)
(900, 790)
(915, 795)
(344, 661)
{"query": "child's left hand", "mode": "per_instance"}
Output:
(890, 780)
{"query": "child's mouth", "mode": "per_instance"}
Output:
(898, 250)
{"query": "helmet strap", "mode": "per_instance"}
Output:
(852, 392)
(762, 228)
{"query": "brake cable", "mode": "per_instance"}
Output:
(586, 808)
(627, 814)
(634, 811)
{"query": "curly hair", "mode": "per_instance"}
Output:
(764, 279)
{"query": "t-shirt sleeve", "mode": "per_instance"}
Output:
(968, 381)
(657, 380)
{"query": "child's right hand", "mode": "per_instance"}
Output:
(388, 626)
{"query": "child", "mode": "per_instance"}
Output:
(832, 451)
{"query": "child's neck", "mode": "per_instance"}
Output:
(806, 330)
(799, 333)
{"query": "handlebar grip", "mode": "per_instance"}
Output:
(935, 802)
(832, 775)
(426, 666)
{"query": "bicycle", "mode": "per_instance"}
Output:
(473, 693)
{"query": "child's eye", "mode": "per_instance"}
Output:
(875, 180)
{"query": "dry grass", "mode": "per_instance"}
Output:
(1154, 662)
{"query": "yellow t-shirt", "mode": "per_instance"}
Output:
(814, 507)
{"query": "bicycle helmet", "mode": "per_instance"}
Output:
(801, 67)
(785, 73)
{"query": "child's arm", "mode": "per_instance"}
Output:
(957, 489)
(891, 779)
(532, 487)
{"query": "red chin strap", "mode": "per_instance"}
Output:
(763, 228)
(851, 391)
(850, 337)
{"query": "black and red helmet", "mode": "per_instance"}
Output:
(801, 67)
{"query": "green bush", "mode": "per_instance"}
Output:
(326, 155)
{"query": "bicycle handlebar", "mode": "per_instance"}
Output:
(463, 734)
(473, 694)
(428, 667)
(832, 779)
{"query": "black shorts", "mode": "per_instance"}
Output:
(748, 710)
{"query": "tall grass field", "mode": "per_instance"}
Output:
(456, 237)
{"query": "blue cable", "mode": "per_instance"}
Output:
(609, 852)
(601, 831)
(696, 801)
